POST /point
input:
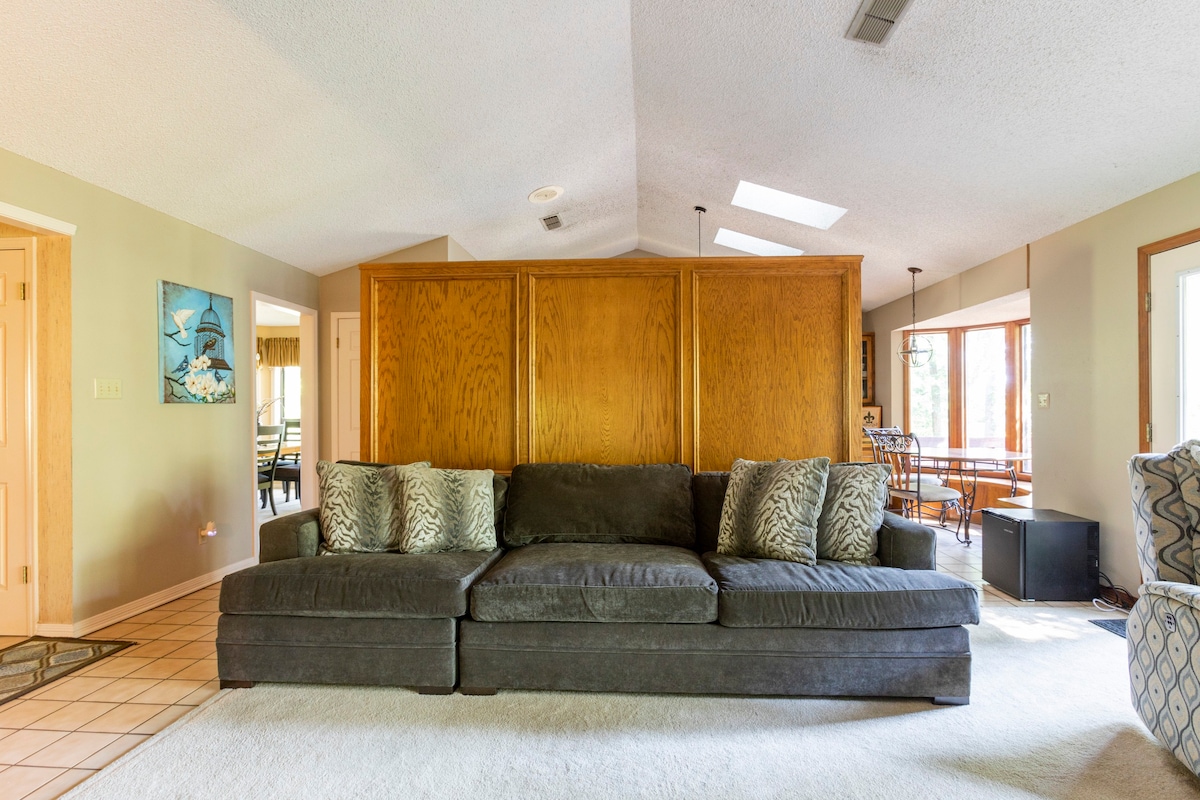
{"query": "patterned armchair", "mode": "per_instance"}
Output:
(1164, 626)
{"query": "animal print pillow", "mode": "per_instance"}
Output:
(855, 495)
(771, 509)
(448, 510)
(359, 507)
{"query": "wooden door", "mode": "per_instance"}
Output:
(15, 555)
(347, 387)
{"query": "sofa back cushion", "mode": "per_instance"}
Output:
(630, 504)
(708, 496)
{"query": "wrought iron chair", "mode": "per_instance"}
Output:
(1163, 629)
(267, 442)
(902, 452)
(872, 433)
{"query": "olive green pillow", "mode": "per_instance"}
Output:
(855, 496)
(771, 509)
(448, 510)
(360, 507)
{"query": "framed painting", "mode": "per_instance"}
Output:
(195, 345)
(872, 416)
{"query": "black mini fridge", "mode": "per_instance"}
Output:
(1039, 554)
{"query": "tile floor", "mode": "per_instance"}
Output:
(57, 736)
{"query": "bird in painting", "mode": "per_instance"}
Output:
(183, 367)
(180, 315)
(209, 345)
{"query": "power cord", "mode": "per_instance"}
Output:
(1113, 597)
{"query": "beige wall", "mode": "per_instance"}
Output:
(277, 331)
(339, 292)
(147, 475)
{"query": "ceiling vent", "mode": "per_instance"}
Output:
(552, 222)
(875, 20)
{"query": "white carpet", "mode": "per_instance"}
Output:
(1049, 717)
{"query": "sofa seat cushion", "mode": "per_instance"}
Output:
(763, 593)
(596, 583)
(384, 585)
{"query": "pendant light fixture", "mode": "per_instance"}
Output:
(699, 210)
(915, 350)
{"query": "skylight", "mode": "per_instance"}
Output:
(752, 244)
(786, 206)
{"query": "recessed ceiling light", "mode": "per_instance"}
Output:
(786, 206)
(752, 244)
(545, 194)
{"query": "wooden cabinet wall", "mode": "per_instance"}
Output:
(699, 361)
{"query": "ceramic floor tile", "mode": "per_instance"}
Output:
(117, 667)
(163, 668)
(7, 732)
(71, 687)
(168, 691)
(57, 786)
(123, 719)
(19, 782)
(156, 648)
(204, 670)
(122, 689)
(21, 713)
(210, 618)
(207, 605)
(196, 650)
(200, 695)
(114, 751)
(179, 605)
(210, 636)
(22, 744)
(72, 716)
(162, 719)
(122, 630)
(189, 632)
(155, 630)
(146, 617)
(184, 618)
(70, 750)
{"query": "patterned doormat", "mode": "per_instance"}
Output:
(1116, 626)
(35, 662)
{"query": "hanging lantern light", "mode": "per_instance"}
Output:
(915, 350)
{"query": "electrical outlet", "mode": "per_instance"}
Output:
(1044, 400)
(107, 389)
(207, 532)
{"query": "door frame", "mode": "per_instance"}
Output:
(309, 388)
(1144, 303)
(335, 319)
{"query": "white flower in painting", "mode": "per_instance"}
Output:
(199, 363)
(222, 388)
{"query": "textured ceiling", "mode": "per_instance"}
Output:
(327, 133)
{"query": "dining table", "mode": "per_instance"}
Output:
(965, 463)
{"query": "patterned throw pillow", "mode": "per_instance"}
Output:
(771, 509)
(448, 510)
(855, 495)
(359, 507)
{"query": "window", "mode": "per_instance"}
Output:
(1189, 355)
(285, 385)
(974, 392)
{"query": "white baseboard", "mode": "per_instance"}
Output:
(55, 631)
(85, 626)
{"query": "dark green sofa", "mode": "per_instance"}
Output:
(609, 582)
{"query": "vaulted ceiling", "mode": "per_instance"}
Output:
(327, 133)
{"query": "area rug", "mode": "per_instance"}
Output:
(35, 662)
(1116, 626)
(1049, 717)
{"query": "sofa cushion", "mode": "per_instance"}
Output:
(708, 497)
(763, 593)
(360, 507)
(448, 510)
(388, 585)
(771, 509)
(855, 495)
(644, 504)
(596, 583)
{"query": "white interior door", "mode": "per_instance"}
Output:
(15, 556)
(349, 360)
(1172, 359)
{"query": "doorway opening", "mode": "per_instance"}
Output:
(285, 408)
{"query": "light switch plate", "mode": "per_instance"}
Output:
(107, 389)
(1044, 400)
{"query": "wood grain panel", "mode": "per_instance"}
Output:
(444, 371)
(605, 361)
(772, 367)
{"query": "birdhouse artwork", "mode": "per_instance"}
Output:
(195, 357)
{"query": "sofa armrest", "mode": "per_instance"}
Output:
(906, 544)
(1184, 593)
(294, 536)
